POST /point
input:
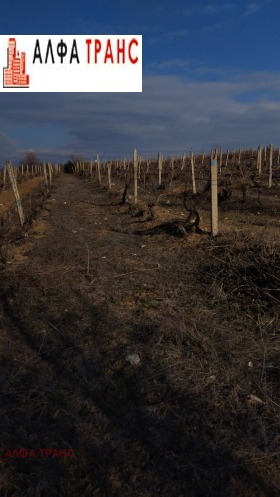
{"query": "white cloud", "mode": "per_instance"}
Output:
(167, 36)
(251, 8)
(211, 27)
(169, 64)
(171, 114)
(218, 8)
(177, 34)
(211, 8)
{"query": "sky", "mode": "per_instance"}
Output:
(211, 78)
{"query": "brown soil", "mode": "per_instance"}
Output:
(83, 292)
(7, 198)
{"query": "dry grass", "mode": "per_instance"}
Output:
(26, 188)
(202, 314)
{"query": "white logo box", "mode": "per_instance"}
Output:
(71, 63)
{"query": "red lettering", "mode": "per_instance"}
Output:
(71, 453)
(55, 453)
(48, 452)
(121, 50)
(133, 42)
(108, 53)
(97, 49)
(88, 42)
(42, 451)
(23, 453)
(112, 51)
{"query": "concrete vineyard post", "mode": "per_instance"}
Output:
(270, 165)
(239, 157)
(135, 175)
(227, 158)
(193, 173)
(4, 176)
(50, 173)
(130, 168)
(159, 168)
(214, 195)
(260, 160)
(126, 172)
(221, 160)
(98, 169)
(139, 167)
(172, 173)
(109, 175)
(183, 160)
(45, 174)
(15, 190)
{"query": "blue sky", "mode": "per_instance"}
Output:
(211, 78)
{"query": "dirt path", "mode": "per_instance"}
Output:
(77, 300)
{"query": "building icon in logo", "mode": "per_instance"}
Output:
(14, 73)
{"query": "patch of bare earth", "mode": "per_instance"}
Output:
(197, 415)
(7, 198)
